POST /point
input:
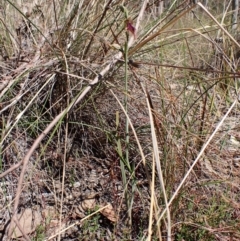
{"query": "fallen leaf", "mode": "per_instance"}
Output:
(29, 219)
(88, 204)
(109, 213)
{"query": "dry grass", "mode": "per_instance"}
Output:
(97, 148)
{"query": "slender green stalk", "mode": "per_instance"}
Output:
(126, 98)
(129, 199)
(127, 124)
(119, 150)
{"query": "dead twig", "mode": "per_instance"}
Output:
(12, 168)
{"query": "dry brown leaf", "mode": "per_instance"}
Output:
(88, 204)
(109, 213)
(29, 219)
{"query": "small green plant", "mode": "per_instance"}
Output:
(191, 233)
(40, 233)
(90, 227)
